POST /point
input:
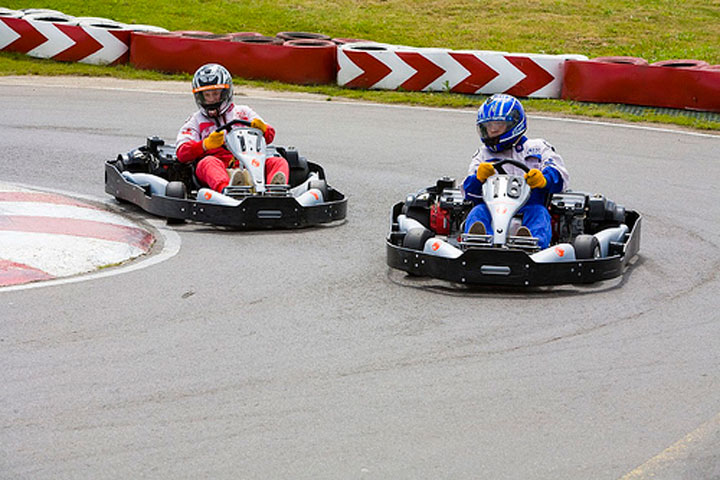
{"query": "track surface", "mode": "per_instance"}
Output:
(301, 355)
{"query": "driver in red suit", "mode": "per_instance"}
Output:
(199, 140)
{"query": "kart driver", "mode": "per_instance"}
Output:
(198, 138)
(501, 124)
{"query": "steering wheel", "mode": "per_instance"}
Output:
(232, 123)
(509, 161)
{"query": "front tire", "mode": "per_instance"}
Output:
(176, 190)
(586, 247)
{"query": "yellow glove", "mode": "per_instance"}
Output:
(214, 140)
(259, 124)
(535, 178)
(484, 170)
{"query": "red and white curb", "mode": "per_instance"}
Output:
(45, 236)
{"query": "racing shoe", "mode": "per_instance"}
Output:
(523, 231)
(279, 179)
(477, 228)
(239, 176)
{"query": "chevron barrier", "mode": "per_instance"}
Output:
(391, 67)
(310, 58)
(64, 42)
(684, 87)
(308, 62)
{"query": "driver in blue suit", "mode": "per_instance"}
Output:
(501, 124)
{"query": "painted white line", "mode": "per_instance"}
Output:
(676, 453)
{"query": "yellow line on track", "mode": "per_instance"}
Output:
(675, 453)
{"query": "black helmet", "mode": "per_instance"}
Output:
(212, 77)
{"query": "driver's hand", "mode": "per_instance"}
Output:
(214, 140)
(484, 170)
(259, 124)
(535, 178)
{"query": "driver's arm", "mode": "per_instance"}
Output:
(472, 185)
(189, 151)
(268, 131)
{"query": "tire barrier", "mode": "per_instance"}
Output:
(647, 85)
(243, 57)
(235, 35)
(315, 58)
(146, 28)
(302, 36)
(7, 13)
(392, 67)
(259, 39)
(53, 17)
(99, 22)
(205, 35)
(64, 42)
(343, 41)
(681, 63)
(624, 60)
(309, 42)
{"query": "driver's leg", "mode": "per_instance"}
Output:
(212, 172)
(479, 213)
(274, 166)
(537, 219)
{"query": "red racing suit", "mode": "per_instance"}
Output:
(212, 166)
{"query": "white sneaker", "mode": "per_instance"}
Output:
(477, 228)
(523, 231)
(279, 179)
(239, 176)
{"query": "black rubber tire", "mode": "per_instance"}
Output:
(302, 36)
(176, 190)
(415, 238)
(586, 247)
(621, 60)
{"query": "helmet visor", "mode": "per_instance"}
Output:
(212, 97)
(494, 128)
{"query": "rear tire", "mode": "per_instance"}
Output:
(415, 238)
(586, 247)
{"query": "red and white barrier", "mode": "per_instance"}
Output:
(390, 67)
(289, 62)
(64, 42)
(637, 84)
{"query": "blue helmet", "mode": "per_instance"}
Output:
(506, 109)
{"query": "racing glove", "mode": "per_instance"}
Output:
(535, 178)
(259, 124)
(214, 140)
(484, 170)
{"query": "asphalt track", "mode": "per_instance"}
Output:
(301, 355)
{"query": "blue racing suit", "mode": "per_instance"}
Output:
(535, 153)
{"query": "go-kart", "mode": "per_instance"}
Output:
(593, 238)
(152, 178)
